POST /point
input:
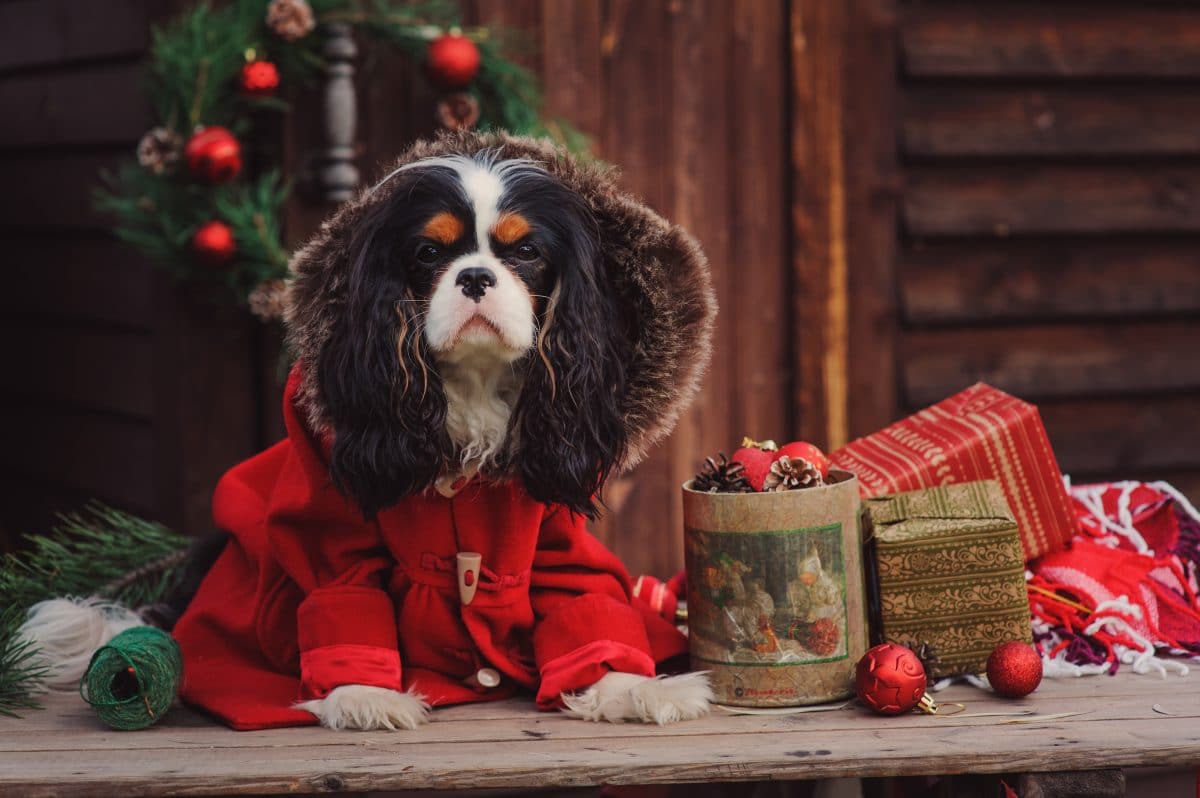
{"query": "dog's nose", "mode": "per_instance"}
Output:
(475, 281)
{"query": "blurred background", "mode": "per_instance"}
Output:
(899, 198)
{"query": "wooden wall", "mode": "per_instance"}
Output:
(898, 198)
(1051, 212)
(115, 385)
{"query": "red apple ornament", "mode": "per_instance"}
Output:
(803, 450)
(453, 61)
(756, 457)
(1014, 669)
(213, 155)
(213, 242)
(890, 680)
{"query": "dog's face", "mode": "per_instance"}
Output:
(479, 325)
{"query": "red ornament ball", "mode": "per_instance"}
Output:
(259, 78)
(890, 679)
(756, 461)
(1014, 669)
(213, 242)
(213, 155)
(453, 61)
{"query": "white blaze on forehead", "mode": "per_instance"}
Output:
(483, 180)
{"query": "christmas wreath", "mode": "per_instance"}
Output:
(189, 203)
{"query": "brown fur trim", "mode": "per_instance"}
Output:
(657, 270)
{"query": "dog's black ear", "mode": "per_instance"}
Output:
(384, 402)
(569, 418)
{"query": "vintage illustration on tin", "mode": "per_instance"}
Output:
(768, 598)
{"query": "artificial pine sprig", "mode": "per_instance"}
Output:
(21, 672)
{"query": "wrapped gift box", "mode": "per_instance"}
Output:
(981, 433)
(949, 572)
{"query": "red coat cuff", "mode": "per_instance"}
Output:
(347, 635)
(584, 638)
(584, 666)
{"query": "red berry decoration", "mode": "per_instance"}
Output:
(1014, 669)
(213, 155)
(213, 242)
(453, 61)
(890, 679)
(259, 79)
(802, 450)
(756, 460)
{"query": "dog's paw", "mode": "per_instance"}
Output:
(357, 706)
(619, 697)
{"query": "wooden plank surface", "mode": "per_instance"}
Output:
(947, 282)
(56, 189)
(1061, 39)
(987, 121)
(36, 33)
(1145, 435)
(63, 751)
(1050, 361)
(1006, 199)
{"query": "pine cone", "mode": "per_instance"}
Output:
(290, 19)
(927, 654)
(267, 300)
(159, 149)
(458, 111)
(792, 473)
(721, 476)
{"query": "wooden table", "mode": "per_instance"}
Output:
(1123, 721)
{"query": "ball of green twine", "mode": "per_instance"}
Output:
(132, 681)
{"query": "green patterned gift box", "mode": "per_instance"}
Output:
(950, 573)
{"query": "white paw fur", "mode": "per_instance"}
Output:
(358, 706)
(619, 697)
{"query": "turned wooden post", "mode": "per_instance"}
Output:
(337, 176)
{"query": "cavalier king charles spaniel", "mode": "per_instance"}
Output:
(482, 339)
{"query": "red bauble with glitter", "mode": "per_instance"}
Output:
(213, 242)
(890, 679)
(453, 61)
(1014, 669)
(259, 79)
(213, 155)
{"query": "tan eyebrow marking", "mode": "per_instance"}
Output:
(444, 228)
(510, 228)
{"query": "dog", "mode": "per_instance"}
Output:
(483, 337)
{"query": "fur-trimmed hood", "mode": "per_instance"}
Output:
(656, 269)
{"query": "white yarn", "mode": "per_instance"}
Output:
(67, 631)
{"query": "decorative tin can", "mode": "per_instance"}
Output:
(776, 601)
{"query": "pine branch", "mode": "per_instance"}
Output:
(21, 673)
(87, 551)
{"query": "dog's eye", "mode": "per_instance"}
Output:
(527, 252)
(428, 254)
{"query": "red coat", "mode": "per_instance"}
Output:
(308, 596)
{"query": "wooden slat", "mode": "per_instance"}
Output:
(88, 278)
(103, 456)
(99, 105)
(985, 121)
(78, 366)
(973, 281)
(1040, 362)
(1122, 437)
(1009, 200)
(54, 192)
(872, 201)
(37, 505)
(1111, 722)
(1050, 40)
(45, 32)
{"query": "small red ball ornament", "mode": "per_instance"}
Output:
(213, 155)
(259, 78)
(891, 680)
(1014, 669)
(453, 61)
(803, 450)
(213, 242)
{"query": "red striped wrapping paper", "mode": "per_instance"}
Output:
(980, 433)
